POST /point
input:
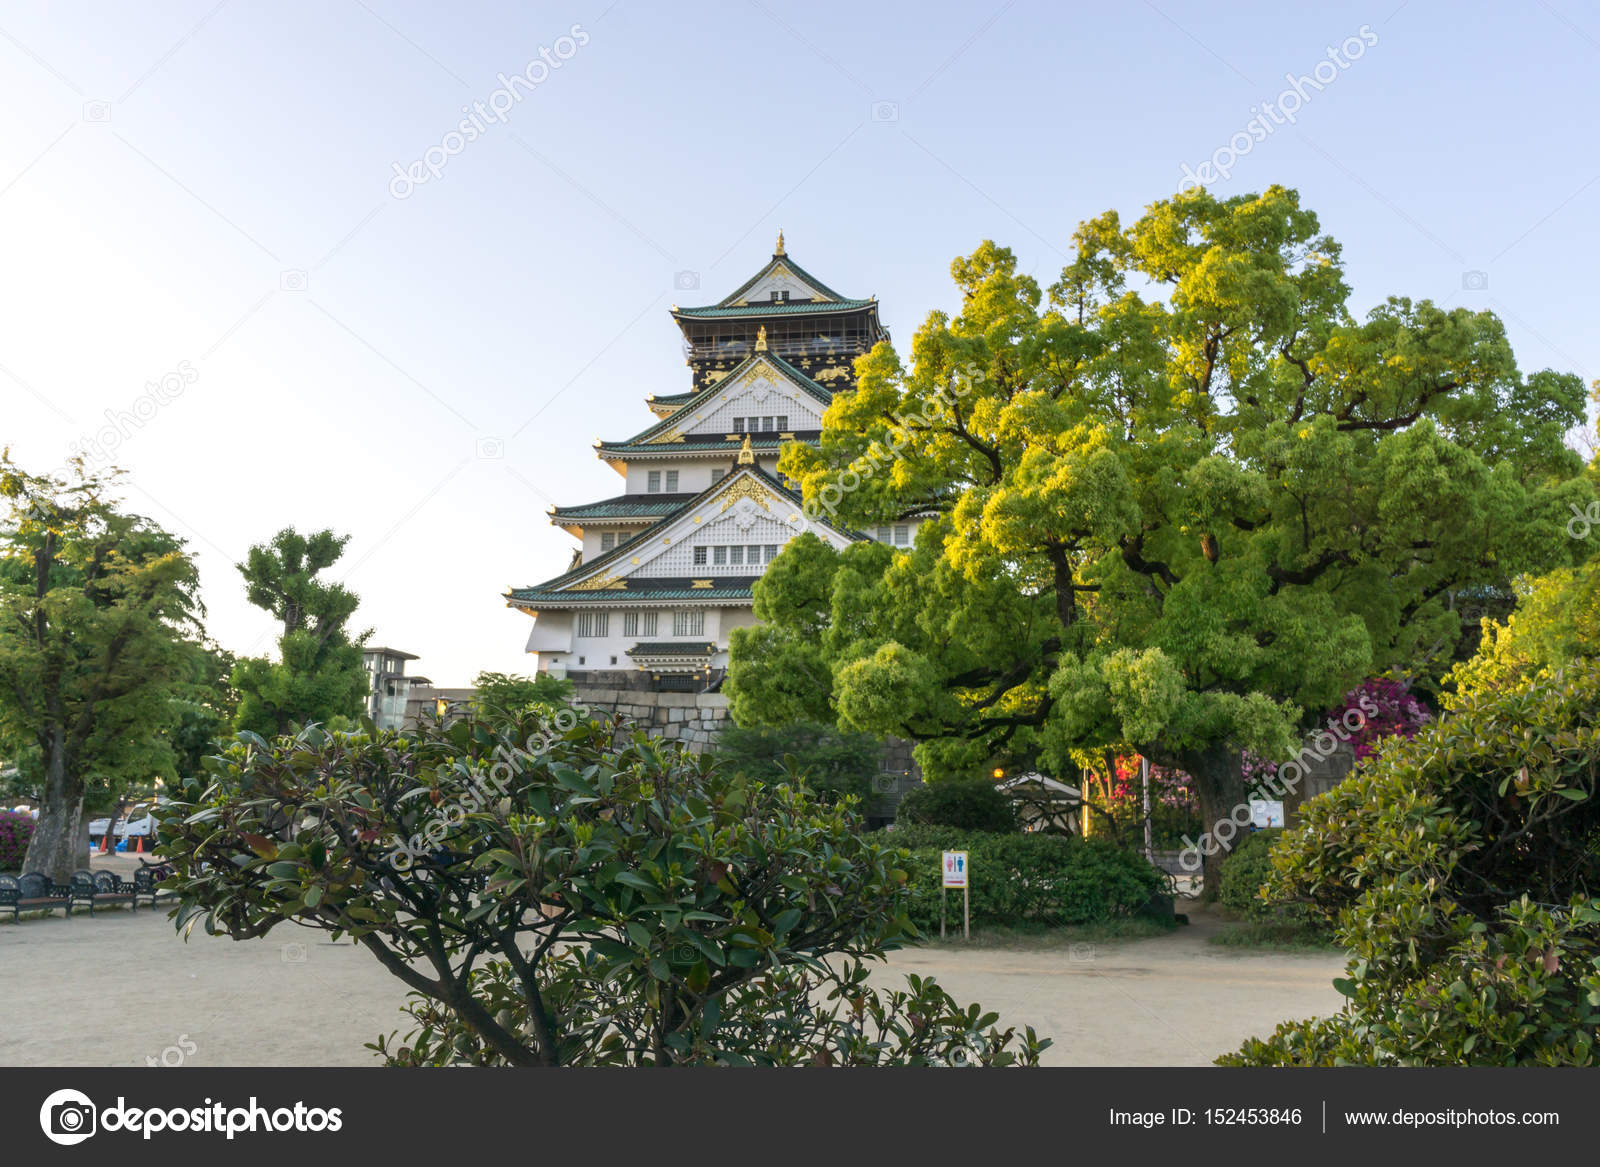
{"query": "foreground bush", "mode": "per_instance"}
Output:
(553, 900)
(16, 831)
(966, 804)
(1029, 879)
(1460, 868)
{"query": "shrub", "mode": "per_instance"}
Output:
(554, 899)
(1459, 867)
(835, 762)
(1245, 872)
(1244, 890)
(16, 831)
(965, 804)
(1032, 879)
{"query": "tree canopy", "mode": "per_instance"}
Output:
(99, 625)
(1179, 501)
(319, 674)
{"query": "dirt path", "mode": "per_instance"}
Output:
(123, 989)
(1170, 1001)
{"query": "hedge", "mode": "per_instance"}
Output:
(1026, 879)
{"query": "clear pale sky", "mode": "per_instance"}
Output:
(202, 192)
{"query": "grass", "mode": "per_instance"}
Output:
(1040, 936)
(1274, 937)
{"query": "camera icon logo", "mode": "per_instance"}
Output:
(1475, 281)
(97, 111)
(491, 449)
(686, 281)
(294, 280)
(293, 953)
(1082, 953)
(67, 1117)
(885, 111)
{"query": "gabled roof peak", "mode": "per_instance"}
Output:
(781, 280)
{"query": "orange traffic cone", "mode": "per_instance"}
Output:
(138, 844)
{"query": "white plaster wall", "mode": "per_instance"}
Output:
(694, 475)
(596, 651)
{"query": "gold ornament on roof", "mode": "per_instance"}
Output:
(746, 488)
(780, 250)
(761, 339)
(747, 456)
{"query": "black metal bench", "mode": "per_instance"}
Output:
(101, 887)
(145, 880)
(33, 892)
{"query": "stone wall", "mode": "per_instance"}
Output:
(692, 718)
(697, 718)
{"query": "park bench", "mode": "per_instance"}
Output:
(145, 880)
(33, 892)
(102, 887)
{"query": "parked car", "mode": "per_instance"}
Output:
(137, 821)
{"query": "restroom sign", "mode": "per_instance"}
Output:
(955, 869)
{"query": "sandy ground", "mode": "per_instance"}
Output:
(123, 989)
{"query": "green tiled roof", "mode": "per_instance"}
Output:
(813, 388)
(556, 589)
(673, 648)
(624, 506)
(538, 595)
(674, 398)
(766, 441)
(784, 259)
(779, 308)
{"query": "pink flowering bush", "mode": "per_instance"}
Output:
(1385, 708)
(16, 831)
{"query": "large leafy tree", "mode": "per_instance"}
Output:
(1179, 500)
(98, 614)
(319, 674)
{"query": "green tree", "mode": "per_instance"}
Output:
(1180, 505)
(576, 904)
(98, 614)
(505, 697)
(319, 674)
(836, 763)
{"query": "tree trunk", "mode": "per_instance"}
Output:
(60, 842)
(1219, 781)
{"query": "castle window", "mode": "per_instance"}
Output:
(736, 554)
(783, 421)
(766, 423)
(593, 623)
(719, 556)
(881, 534)
(630, 625)
(752, 553)
(699, 556)
(717, 476)
(653, 482)
(672, 482)
(738, 425)
(689, 622)
(607, 541)
(772, 552)
(649, 624)
(902, 535)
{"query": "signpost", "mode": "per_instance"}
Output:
(955, 875)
